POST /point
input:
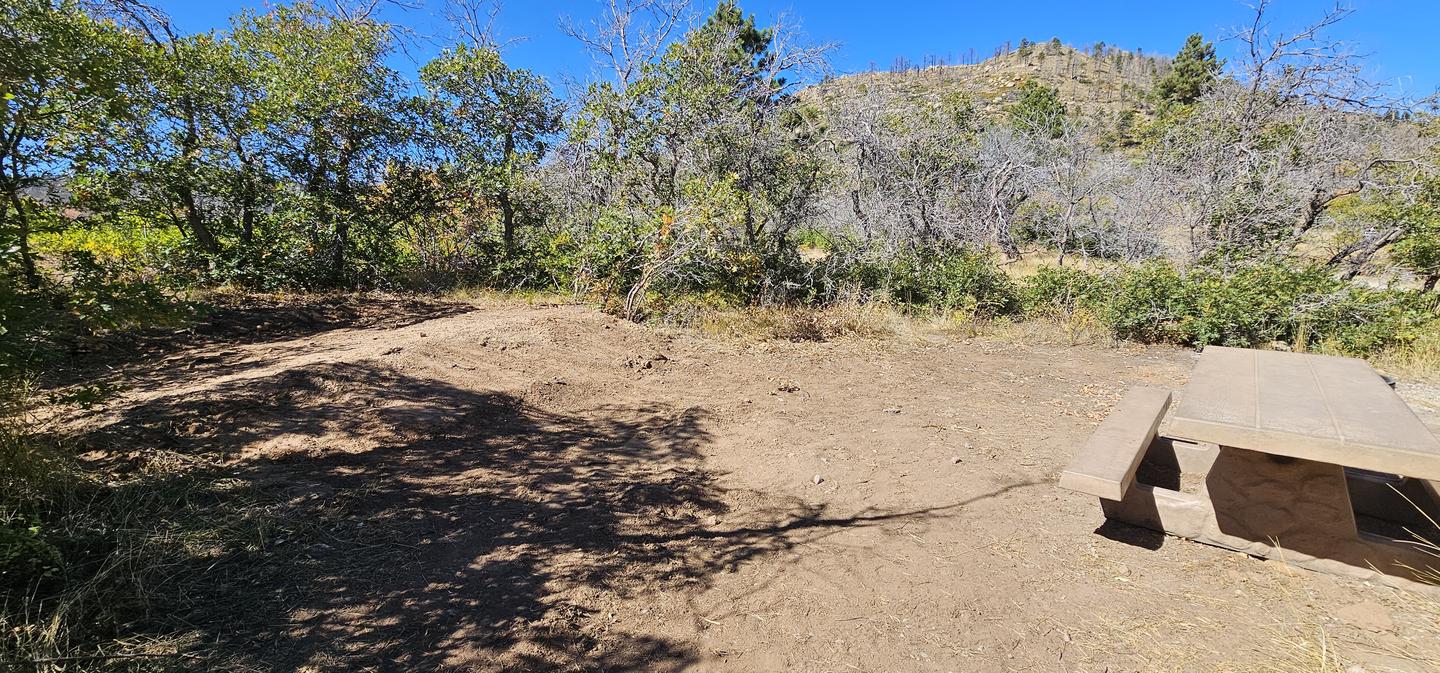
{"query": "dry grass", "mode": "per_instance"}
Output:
(1073, 328)
(791, 323)
(1419, 360)
(481, 296)
(1031, 261)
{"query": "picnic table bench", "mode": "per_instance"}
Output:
(1309, 459)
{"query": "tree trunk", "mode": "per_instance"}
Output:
(507, 219)
(1430, 282)
(22, 227)
(860, 215)
(1366, 252)
(342, 232)
(247, 222)
(507, 208)
(195, 221)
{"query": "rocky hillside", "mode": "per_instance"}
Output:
(1093, 81)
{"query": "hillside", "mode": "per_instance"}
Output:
(1108, 83)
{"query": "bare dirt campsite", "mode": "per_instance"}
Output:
(408, 485)
(626, 336)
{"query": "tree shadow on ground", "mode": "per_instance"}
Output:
(225, 322)
(355, 517)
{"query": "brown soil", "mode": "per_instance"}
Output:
(549, 488)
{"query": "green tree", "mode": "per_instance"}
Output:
(491, 123)
(65, 77)
(1191, 74)
(335, 121)
(1419, 248)
(1039, 111)
(196, 157)
(707, 155)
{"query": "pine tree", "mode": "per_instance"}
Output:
(1039, 110)
(1194, 70)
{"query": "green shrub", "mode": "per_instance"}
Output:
(110, 295)
(1253, 305)
(1302, 305)
(26, 559)
(1151, 304)
(128, 239)
(1363, 321)
(1055, 290)
(952, 280)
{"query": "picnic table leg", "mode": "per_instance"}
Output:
(1292, 510)
(1262, 501)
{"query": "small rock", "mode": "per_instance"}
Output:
(956, 460)
(892, 410)
(817, 479)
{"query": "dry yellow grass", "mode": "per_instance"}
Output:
(1419, 360)
(792, 323)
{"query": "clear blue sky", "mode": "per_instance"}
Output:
(1399, 35)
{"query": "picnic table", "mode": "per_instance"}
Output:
(1313, 460)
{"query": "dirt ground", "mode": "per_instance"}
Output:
(505, 487)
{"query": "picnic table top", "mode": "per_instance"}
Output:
(1316, 407)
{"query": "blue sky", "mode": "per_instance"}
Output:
(1399, 35)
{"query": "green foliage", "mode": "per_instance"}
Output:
(1418, 249)
(66, 79)
(1056, 290)
(947, 279)
(89, 297)
(1299, 304)
(335, 120)
(490, 124)
(1039, 111)
(124, 240)
(27, 560)
(1253, 305)
(707, 153)
(1191, 74)
(1149, 303)
(952, 280)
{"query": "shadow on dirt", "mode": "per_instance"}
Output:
(225, 322)
(355, 517)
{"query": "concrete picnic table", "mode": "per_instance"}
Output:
(1309, 459)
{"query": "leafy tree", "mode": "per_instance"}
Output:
(491, 122)
(1418, 249)
(1039, 112)
(65, 77)
(335, 120)
(707, 153)
(1191, 74)
(196, 158)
